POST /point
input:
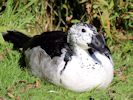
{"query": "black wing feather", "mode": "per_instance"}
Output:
(52, 42)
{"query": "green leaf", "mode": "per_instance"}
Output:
(75, 21)
(1, 39)
(111, 5)
(95, 6)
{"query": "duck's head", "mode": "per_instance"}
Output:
(86, 36)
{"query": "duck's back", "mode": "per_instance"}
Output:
(52, 42)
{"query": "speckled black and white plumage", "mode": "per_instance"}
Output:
(78, 60)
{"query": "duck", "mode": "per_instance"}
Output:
(78, 60)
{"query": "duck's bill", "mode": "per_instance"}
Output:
(98, 43)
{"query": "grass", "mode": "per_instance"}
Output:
(19, 84)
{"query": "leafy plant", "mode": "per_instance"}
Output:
(113, 15)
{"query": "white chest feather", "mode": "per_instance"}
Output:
(84, 73)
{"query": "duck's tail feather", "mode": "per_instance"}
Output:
(17, 38)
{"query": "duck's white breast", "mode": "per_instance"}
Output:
(86, 73)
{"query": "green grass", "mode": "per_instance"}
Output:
(18, 83)
(16, 17)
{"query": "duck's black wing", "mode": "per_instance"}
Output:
(52, 42)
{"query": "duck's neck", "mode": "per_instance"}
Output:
(79, 51)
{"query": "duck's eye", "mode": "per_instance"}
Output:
(83, 30)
